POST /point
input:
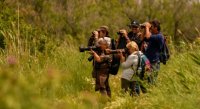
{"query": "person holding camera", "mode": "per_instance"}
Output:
(155, 41)
(122, 40)
(129, 67)
(101, 33)
(100, 74)
(102, 62)
(93, 38)
(135, 34)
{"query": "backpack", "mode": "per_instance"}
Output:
(115, 64)
(164, 53)
(143, 65)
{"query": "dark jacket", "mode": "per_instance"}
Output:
(155, 43)
(135, 37)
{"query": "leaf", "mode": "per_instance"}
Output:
(196, 58)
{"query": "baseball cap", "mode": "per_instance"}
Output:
(134, 23)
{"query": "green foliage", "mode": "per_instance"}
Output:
(39, 81)
(41, 67)
(63, 80)
(60, 17)
(196, 58)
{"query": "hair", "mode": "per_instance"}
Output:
(156, 23)
(107, 34)
(132, 45)
(104, 29)
(102, 41)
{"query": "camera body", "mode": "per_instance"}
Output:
(119, 33)
(142, 26)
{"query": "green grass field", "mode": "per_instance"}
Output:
(63, 81)
(42, 68)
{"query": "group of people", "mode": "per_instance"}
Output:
(144, 39)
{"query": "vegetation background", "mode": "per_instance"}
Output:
(41, 67)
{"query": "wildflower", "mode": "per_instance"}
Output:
(11, 60)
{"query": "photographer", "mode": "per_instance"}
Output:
(155, 41)
(135, 34)
(129, 69)
(122, 39)
(101, 33)
(101, 67)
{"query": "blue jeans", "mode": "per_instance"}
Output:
(155, 69)
(133, 86)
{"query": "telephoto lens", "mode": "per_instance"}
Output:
(82, 49)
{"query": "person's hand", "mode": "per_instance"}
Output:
(139, 34)
(107, 51)
(121, 53)
(123, 32)
(121, 56)
(96, 34)
(147, 68)
(145, 45)
(147, 25)
(92, 52)
(146, 32)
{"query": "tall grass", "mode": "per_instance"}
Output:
(61, 78)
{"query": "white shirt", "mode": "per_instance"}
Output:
(129, 66)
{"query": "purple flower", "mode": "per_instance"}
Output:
(11, 60)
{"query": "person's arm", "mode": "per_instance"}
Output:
(147, 33)
(129, 62)
(92, 40)
(127, 39)
(96, 37)
(147, 30)
(117, 42)
(125, 35)
(161, 41)
(122, 58)
(96, 56)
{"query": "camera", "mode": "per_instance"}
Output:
(122, 32)
(119, 33)
(83, 49)
(142, 26)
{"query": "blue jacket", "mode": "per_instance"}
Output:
(155, 43)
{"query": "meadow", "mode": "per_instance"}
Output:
(63, 80)
(41, 66)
